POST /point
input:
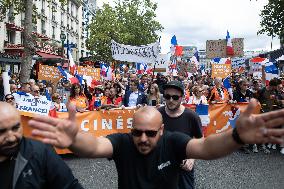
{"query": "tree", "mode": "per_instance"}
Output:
(129, 22)
(272, 20)
(19, 6)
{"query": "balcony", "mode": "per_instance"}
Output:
(8, 45)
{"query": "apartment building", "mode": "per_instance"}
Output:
(53, 20)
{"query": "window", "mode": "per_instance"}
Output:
(22, 38)
(62, 18)
(11, 35)
(43, 31)
(53, 10)
(43, 5)
(53, 32)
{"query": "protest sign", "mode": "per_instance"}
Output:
(29, 105)
(217, 48)
(161, 63)
(238, 64)
(49, 73)
(143, 54)
(221, 70)
(95, 73)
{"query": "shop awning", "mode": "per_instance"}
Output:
(47, 56)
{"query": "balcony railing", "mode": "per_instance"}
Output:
(8, 45)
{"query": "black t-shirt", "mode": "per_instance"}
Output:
(188, 123)
(6, 173)
(240, 97)
(158, 169)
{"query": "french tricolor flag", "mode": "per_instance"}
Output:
(203, 111)
(141, 68)
(104, 69)
(229, 49)
(271, 71)
(72, 65)
(173, 45)
(221, 61)
(68, 76)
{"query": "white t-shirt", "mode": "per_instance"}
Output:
(133, 99)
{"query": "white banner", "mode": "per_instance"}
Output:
(28, 103)
(143, 54)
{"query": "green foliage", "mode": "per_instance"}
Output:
(129, 22)
(272, 18)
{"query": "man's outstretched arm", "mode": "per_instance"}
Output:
(63, 133)
(251, 129)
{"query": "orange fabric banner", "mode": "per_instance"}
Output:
(102, 123)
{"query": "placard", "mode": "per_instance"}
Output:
(221, 70)
(49, 73)
(95, 73)
(29, 105)
(217, 48)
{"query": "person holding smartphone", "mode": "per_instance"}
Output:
(154, 97)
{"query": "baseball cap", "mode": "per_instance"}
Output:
(174, 84)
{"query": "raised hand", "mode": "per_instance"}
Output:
(58, 132)
(260, 129)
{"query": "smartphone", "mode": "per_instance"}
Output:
(154, 102)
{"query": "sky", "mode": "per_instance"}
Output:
(195, 21)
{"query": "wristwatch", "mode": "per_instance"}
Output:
(236, 137)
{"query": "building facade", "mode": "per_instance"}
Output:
(53, 19)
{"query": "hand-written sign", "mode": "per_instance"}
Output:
(89, 71)
(221, 70)
(49, 73)
(217, 48)
(30, 105)
(238, 64)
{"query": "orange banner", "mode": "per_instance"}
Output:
(102, 123)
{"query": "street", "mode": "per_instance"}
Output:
(239, 170)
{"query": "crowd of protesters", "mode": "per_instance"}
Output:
(130, 90)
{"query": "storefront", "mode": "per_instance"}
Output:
(10, 63)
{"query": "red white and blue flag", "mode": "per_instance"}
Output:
(72, 65)
(229, 49)
(68, 76)
(141, 68)
(221, 61)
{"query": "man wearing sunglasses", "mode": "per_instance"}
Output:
(178, 118)
(26, 163)
(150, 157)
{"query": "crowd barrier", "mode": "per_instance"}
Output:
(104, 122)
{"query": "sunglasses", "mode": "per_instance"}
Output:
(174, 97)
(148, 133)
(11, 98)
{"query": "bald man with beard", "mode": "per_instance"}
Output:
(149, 157)
(25, 163)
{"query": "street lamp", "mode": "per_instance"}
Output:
(62, 37)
